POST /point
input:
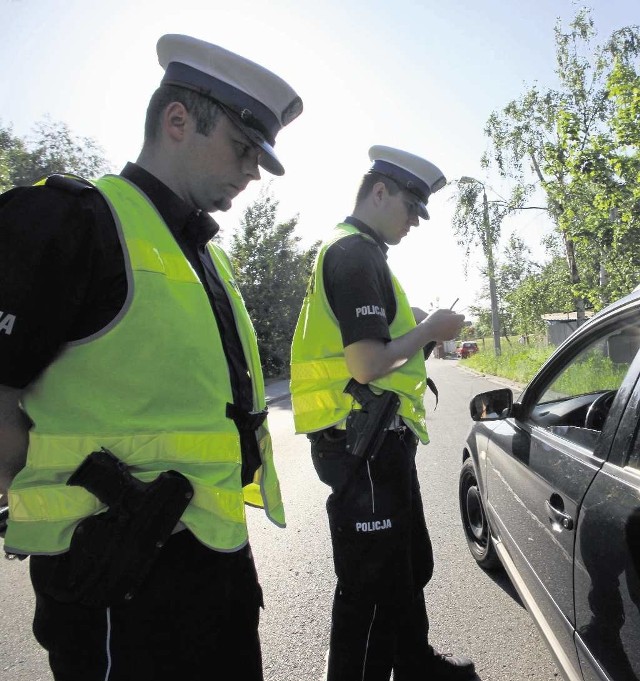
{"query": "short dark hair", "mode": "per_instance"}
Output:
(204, 110)
(369, 181)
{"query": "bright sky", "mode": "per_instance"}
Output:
(421, 75)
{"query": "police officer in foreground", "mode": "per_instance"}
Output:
(132, 412)
(358, 381)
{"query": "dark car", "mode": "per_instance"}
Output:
(550, 489)
(466, 349)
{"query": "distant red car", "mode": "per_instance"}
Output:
(466, 349)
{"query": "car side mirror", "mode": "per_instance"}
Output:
(491, 406)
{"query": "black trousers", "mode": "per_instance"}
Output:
(382, 556)
(194, 619)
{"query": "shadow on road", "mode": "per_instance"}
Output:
(500, 577)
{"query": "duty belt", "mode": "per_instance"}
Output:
(396, 423)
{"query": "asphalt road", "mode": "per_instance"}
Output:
(471, 612)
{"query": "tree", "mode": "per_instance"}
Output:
(472, 226)
(527, 290)
(272, 273)
(539, 293)
(617, 184)
(477, 221)
(624, 92)
(516, 266)
(468, 332)
(12, 150)
(561, 141)
(51, 148)
(5, 172)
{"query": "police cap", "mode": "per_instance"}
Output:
(255, 99)
(411, 173)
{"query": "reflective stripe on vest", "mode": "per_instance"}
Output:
(152, 387)
(319, 371)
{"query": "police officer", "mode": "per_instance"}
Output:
(356, 322)
(130, 337)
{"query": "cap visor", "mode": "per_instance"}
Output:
(268, 160)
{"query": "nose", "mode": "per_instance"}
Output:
(251, 167)
(415, 220)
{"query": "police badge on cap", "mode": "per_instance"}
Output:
(255, 99)
(412, 173)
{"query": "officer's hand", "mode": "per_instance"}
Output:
(443, 325)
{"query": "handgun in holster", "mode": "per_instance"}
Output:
(112, 552)
(366, 426)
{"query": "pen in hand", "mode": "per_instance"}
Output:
(428, 348)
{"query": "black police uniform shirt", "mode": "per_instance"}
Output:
(62, 276)
(358, 284)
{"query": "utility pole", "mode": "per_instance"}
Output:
(491, 270)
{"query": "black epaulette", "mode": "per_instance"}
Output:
(73, 184)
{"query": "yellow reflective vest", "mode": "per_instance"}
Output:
(319, 371)
(153, 388)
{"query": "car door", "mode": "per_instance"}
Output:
(539, 466)
(607, 558)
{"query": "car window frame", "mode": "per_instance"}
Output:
(625, 445)
(569, 350)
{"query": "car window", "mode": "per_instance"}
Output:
(576, 401)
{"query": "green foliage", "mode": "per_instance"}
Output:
(468, 332)
(520, 363)
(12, 151)
(540, 292)
(272, 273)
(593, 373)
(482, 324)
(516, 264)
(515, 268)
(51, 148)
(476, 221)
(525, 292)
(5, 172)
(579, 144)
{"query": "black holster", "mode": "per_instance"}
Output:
(112, 552)
(366, 426)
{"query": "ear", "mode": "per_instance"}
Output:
(174, 121)
(378, 193)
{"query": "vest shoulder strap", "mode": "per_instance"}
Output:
(73, 184)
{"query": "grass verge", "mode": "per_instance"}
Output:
(517, 362)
